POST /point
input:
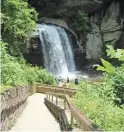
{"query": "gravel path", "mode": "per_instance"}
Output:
(36, 117)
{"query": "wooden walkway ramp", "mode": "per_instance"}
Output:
(51, 109)
(36, 116)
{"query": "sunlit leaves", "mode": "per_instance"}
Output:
(108, 67)
(121, 58)
(96, 101)
(110, 51)
(119, 53)
(18, 22)
(116, 74)
(15, 71)
(21, 17)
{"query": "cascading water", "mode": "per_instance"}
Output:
(58, 55)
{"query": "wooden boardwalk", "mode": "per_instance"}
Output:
(36, 116)
(49, 101)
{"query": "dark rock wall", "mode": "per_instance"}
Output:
(12, 104)
(66, 8)
(34, 54)
(107, 28)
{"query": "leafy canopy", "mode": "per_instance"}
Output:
(18, 21)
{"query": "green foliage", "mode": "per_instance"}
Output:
(119, 53)
(118, 85)
(17, 72)
(100, 101)
(18, 21)
(116, 74)
(96, 101)
(81, 22)
(108, 67)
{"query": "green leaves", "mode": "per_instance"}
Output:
(108, 67)
(116, 74)
(15, 71)
(96, 101)
(119, 53)
(18, 22)
(121, 58)
(110, 51)
(112, 91)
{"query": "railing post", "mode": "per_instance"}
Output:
(49, 96)
(71, 120)
(56, 100)
(52, 98)
(64, 104)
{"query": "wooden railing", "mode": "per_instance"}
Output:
(82, 121)
(59, 114)
(53, 86)
(55, 89)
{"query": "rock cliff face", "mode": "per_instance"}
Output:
(106, 19)
(107, 27)
(66, 8)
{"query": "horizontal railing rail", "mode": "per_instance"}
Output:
(53, 86)
(81, 119)
(44, 89)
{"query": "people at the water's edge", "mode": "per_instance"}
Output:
(59, 81)
(62, 83)
(76, 81)
(67, 80)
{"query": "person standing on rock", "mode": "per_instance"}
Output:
(67, 80)
(59, 80)
(76, 81)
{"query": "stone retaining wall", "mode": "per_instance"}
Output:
(12, 103)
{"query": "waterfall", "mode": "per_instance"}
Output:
(57, 50)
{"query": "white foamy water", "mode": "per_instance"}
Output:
(57, 50)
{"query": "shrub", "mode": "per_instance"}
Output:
(118, 85)
(96, 101)
(15, 71)
(115, 74)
